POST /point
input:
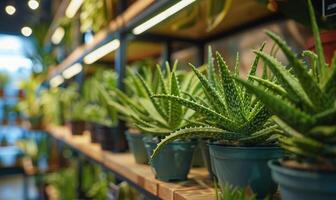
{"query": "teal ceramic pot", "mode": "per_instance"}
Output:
(299, 184)
(137, 147)
(245, 166)
(174, 161)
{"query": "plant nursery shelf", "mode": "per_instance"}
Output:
(198, 187)
(241, 14)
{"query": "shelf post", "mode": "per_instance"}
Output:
(121, 60)
(200, 54)
(166, 53)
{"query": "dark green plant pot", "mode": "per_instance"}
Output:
(137, 147)
(91, 126)
(197, 160)
(206, 157)
(77, 127)
(299, 184)
(245, 167)
(111, 139)
(174, 161)
(36, 122)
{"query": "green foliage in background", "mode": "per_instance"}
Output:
(4, 79)
(30, 106)
(51, 106)
(97, 110)
(303, 98)
(35, 147)
(40, 56)
(153, 116)
(95, 181)
(68, 97)
(93, 15)
(65, 182)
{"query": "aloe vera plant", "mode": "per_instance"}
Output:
(303, 100)
(228, 192)
(230, 113)
(150, 115)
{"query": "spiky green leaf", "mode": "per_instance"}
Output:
(312, 89)
(232, 96)
(206, 112)
(282, 108)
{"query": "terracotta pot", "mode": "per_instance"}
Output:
(328, 40)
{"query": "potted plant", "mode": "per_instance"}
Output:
(72, 108)
(303, 101)
(158, 118)
(76, 119)
(298, 11)
(104, 118)
(4, 79)
(31, 107)
(244, 137)
(126, 103)
(51, 106)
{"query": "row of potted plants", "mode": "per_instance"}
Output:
(248, 124)
(279, 126)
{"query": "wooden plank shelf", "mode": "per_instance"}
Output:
(198, 186)
(103, 36)
(241, 13)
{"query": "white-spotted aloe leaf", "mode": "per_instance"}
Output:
(197, 132)
(232, 96)
(154, 101)
(286, 80)
(175, 109)
(215, 99)
(312, 89)
(283, 108)
(259, 136)
(205, 111)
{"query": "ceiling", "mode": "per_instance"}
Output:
(24, 16)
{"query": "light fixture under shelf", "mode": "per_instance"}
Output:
(101, 51)
(72, 8)
(72, 70)
(161, 16)
(56, 81)
(58, 35)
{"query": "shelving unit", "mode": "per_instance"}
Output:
(198, 187)
(158, 41)
(243, 14)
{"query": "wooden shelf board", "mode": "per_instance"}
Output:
(241, 12)
(103, 36)
(137, 50)
(198, 186)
